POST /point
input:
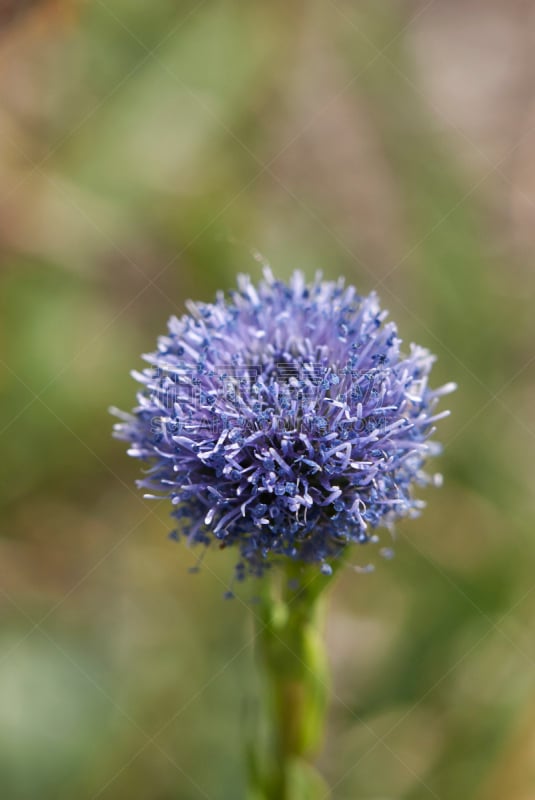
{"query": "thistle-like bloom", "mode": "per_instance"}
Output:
(284, 420)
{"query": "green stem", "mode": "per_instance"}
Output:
(291, 651)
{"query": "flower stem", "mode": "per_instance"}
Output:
(291, 651)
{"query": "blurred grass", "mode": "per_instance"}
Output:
(150, 128)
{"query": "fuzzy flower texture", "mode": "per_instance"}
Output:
(284, 420)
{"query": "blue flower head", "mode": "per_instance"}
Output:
(284, 420)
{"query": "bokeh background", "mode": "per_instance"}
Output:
(148, 153)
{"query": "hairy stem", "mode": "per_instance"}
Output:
(293, 661)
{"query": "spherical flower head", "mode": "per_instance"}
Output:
(284, 420)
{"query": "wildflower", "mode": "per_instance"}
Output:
(284, 420)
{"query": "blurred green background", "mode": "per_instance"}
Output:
(147, 152)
